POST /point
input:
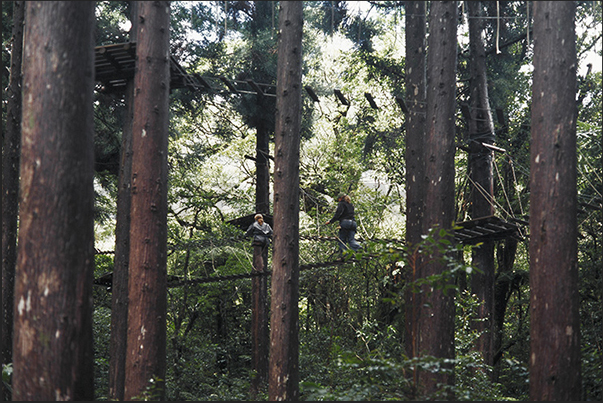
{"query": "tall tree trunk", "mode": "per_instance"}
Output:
(11, 149)
(119, 284)
(52, 348)
(481, 130)
(436, 321)
(258, 116)
(505, 256)
(415, 163)
(554, 299)
(147, 285)
(283, 378)
(259, 328)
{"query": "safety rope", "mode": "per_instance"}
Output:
(303, 267)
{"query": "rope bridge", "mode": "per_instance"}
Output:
(176, 281)
(468, 232)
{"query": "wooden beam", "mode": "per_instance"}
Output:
(370, 100)
(256, 88)
(311, 93)
(400, 101)
(230, 86)
(203, 81)
(341, 98)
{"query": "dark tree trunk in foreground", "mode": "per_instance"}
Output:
(146, 351)
(52, 349)
(283, 377)
(436, 321)
(415, 164)
(119, 285)
(11, 153)
(481, 131)
(554, 299)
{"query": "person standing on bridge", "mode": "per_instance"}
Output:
(347, 223)
(260, 231)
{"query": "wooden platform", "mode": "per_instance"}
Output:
(485, 228)
(115, 64)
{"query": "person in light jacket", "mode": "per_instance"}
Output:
(260, 231)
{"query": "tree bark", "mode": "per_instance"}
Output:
(505, 256)
(415, 163)
(52, 348)
(259, 284)
(554, 300)
(11, 149)
(259, 322)
(262, 165)
(119, 284)
(481, 130)
(283, 378)
(436, 320)
(147, 285)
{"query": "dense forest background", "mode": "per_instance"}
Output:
(351, 313)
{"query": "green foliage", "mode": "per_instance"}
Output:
(7, 373)
(473, 378)
(351, 314)
(153, 391)
(101, 333)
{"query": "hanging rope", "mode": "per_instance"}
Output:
(503, 188)
(515, 185)
(303, 267)
(225, 17)
(497, 26)
(487, 196)
(528, 22)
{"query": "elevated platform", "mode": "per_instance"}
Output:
(115, 64)
(485, 228)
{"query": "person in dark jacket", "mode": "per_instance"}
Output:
(347, 223)
(260, 231)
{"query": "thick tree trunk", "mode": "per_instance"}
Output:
(436, 320)
(554, 299)
(481, 130)
(283, 378)
(119, 286)
(11, 153)
(415, 163)
(52, 348)
(146, 339)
